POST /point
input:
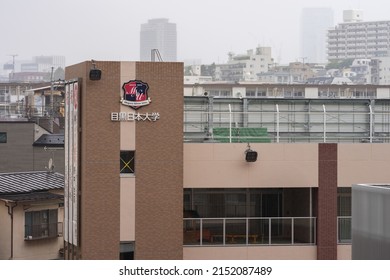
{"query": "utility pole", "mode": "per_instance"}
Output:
(13, 64)
(51, 111)
(303, 68)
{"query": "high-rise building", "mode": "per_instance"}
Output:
(355, 38)
(161, 35)
(314, 25)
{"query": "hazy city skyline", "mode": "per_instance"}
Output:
(206, 30)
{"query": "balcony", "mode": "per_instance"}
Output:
(249, 231)
(42, 231)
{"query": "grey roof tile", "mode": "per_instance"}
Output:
(25, 182)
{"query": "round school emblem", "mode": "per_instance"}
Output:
(135, 94)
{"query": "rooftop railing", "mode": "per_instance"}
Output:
(323, 125)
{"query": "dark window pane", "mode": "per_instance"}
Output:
(41, 224)
(3, 137)
(127, 162)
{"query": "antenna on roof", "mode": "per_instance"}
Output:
(50, 165)
(155, 53)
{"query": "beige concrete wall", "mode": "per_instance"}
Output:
(344, 252)
(5, 232)
(127, 143)
(220, 165)
(363, 163)
(251, 253)
(127, 209)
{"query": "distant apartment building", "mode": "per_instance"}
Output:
(161, 35)
(245, 67)
(361, 69)
(44, 63)
(38, 69)
(314, 24)
(380, 70)
(294, 73)
(355, 38)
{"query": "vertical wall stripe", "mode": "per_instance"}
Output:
(327, 202)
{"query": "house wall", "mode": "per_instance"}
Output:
(19, 154)
(5, 232)
(42, 249)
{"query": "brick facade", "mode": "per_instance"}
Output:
(159, 175)
(327, 202)
(159, 163)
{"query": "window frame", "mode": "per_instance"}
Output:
(127, 165)
(41, 224)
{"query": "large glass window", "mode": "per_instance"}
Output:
(259, 216)
(344, 213)
(41, 224)
(127, 165)
(262, 202)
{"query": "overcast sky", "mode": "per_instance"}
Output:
(207, 29)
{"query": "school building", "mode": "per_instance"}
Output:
(151, 174)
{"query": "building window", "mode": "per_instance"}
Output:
(41, 224)
(127, 162)
(344, 213)
(126, 251)
(3, 137)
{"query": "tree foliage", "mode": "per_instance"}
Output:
(339, 64)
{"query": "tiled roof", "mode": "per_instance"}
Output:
(35, 196)
(26, 182)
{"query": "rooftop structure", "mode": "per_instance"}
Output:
(289, 120)
(245, 67)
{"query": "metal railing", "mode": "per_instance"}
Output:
(344, 230)
(42, 231)
(292, 126)
(249, 231)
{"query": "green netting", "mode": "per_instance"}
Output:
(242, 135)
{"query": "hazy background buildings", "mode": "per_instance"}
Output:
(158, 34)
(315, 23)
